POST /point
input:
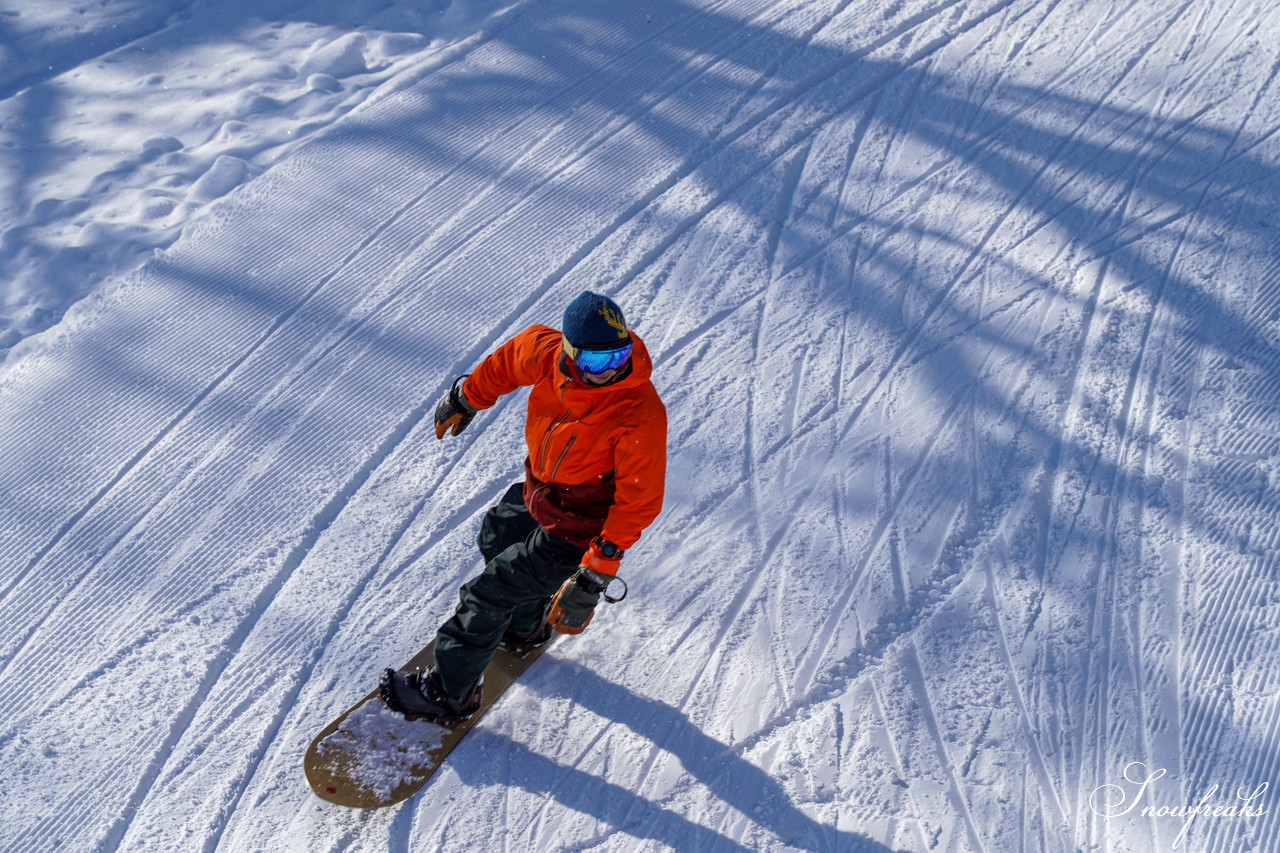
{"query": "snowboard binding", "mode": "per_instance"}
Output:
(416, 695)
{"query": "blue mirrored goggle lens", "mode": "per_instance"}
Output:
(600, 360)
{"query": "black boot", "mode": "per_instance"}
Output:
(417, 694)
(523, 642)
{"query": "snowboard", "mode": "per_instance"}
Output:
(371, 756)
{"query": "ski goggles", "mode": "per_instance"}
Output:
(598, 360)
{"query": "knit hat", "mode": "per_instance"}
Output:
(593, 321)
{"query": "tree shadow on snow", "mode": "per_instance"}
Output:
(1109, 176)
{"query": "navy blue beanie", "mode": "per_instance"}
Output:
(593, 321)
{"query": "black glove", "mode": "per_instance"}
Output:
(453, 410)
(574, 605)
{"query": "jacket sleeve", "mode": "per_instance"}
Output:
(640, 460)
(517, 362)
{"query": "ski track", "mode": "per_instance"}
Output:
(261, 539)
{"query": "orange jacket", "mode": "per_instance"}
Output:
(597, 454)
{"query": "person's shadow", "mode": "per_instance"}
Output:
(736, 781)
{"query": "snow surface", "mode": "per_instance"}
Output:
(966, 316)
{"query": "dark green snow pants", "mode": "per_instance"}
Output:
(524, 566)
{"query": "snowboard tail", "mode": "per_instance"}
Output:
(371, 756)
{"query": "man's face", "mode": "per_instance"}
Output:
(599, 378)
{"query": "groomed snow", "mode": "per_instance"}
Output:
(966, 316)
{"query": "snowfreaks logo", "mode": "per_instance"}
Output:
(1116, 800)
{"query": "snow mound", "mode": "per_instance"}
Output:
(226, 174)
(341, 57)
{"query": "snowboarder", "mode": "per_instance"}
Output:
(596, 434)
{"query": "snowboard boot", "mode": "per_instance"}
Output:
(417, 694)
(520, 643)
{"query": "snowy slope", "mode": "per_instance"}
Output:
(965, 313)
(122, 120)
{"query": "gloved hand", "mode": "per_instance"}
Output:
(575, 603)
(454, 410)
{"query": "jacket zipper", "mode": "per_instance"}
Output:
(563, 454)
(546, 439)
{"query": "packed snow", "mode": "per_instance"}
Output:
(965, 314)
